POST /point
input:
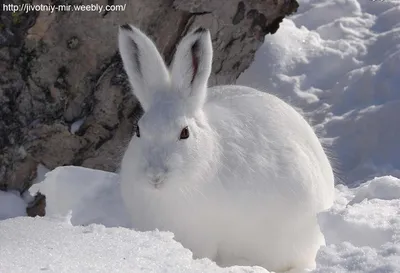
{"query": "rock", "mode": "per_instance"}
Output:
(61, 69)
(38, 206)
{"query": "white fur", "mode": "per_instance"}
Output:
(245, 187)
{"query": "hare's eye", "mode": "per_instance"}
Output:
(184, 133)
(137, 131)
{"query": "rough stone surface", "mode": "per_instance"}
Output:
(60, 69)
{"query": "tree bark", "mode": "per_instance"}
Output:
(62, 68)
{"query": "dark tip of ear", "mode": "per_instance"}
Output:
(200, 30)
(126, 27)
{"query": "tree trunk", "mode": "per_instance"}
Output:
(64, 97)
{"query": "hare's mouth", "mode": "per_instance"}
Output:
(157, 182)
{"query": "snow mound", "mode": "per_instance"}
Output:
(57, 246)
(338, 63)
(92, 196)
(371, 223)
(11, 205)
(386, 188)
(345, 257)
(362, 234)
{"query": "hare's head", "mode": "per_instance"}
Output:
(173, 141)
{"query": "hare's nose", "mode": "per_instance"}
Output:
(156, 175)
(157, 181)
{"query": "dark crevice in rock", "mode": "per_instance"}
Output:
(24, 62)
(109, 2)
(199, 13)
(230, 43)
(187, 19)
(274, 26)
(61, 81)
(239, 16)
(103, 140)
(182, 29)
(236, 65)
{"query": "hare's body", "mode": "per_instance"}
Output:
(279, 145)
(243, 182)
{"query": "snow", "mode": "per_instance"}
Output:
(338, 62)
(90, 194)
(345, 257)
(75, 126)
(58, 246)
(41, 173)
(362, 231)
(11, 205)
(362, 234)
(386, 188)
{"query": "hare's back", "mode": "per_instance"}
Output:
(267, 141)
(259, 111)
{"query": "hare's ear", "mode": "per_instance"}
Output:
(144, 65)
(191, 66)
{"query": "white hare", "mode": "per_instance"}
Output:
(236, 174)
